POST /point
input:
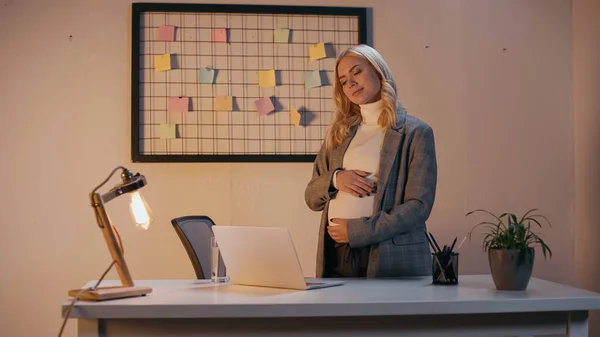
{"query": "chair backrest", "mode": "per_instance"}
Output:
(195, 232)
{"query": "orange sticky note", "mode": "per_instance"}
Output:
(166, 33)
(219, 35)
(295, 117)
(266, 78)
(264, 106)
(317, 51)
(162, 62)
(223, 103)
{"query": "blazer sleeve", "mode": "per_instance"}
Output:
(419, 196)
(320, 189)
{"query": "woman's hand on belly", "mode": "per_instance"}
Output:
(339, 230)
(354, 182)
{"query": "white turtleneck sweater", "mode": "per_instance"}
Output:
(363, 154)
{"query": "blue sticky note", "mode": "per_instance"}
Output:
(312, 79)
(207, 75)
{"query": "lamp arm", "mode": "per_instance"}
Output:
(113, 240)
(102, 224)
(111, 235)
(130, 183)
(97, 199)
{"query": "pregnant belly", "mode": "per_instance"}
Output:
(347, 206)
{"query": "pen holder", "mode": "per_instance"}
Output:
(445, 268)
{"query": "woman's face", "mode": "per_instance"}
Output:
(359, 80)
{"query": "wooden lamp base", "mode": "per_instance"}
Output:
(110, 293)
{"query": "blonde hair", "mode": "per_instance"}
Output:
(347, 114)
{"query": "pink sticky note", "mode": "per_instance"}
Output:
(166, 33)
(219, 35)
(264, 106)
(178, 104)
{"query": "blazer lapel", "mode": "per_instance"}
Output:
(389, 151)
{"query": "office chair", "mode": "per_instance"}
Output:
(195, 232)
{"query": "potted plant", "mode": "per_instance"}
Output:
(510, 243)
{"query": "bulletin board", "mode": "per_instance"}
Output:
(235, 83)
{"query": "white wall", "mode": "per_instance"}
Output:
(503, 122)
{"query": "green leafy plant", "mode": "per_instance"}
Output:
(509, 232)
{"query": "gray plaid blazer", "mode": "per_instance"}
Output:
(405, 194)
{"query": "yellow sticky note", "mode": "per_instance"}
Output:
(281, 35)
(223, 103)
(295, 116)
(266, 78)
(162, 62)
(167, 131)
(317, 51)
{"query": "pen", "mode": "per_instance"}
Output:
(435, 242)
(431, 243)
(442, 276)
(453, 243)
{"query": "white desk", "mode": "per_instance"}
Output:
(381, 307)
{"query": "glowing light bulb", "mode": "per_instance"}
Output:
(142, 216)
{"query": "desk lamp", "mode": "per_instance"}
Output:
(141, 215)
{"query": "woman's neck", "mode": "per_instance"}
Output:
(370, 112)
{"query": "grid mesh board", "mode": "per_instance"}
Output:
(204, 133)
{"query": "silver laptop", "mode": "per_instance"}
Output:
(264, 256)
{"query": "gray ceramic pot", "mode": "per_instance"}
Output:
(511, 268)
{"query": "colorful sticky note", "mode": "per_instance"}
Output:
(162, 62)
(166, 33)
(207, 75)
(264, 106)
(219, 35)
(312, 79)
(317, 51)
(266, 78)
(178, 104)
(295, 116)
(223, 103)
(167, 131)
(281, 35)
